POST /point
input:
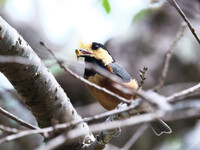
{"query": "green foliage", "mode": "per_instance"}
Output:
(106, 5)
(56, 70)
(175, 143)
(2, 2)
(141, 14)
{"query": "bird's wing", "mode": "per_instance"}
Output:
(120, 71)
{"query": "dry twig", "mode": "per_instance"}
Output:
(8, 129)
(137, 119)
(142, 76)
(188, 113)
(55, 142)
(183, 94)
(66, 125)
(176, 6)
(168, 57)
(135, 136)
(20, 121)
(181, 113)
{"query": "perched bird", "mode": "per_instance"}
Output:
(97, 54)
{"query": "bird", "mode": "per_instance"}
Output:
(97, 54)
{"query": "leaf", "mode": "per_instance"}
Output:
(81, 44)
(141, 14)
(2, 2)
(106, 6)
(56, 70)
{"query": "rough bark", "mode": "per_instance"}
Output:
(33, 81)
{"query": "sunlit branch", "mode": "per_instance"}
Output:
(183, 94)
(9, 129)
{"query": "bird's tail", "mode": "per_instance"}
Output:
(159, 127)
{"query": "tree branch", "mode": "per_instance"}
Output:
(176, 6)
(135, 136)
(8, 129)
(168, 57)
(184, 94)
(20, 121)
(41, 92)
(173, 115)
(124, 112)
(74, 123)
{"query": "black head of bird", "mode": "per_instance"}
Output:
(96, 53)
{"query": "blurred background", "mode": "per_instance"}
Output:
(137, 33)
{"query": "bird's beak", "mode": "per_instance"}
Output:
(82, 52)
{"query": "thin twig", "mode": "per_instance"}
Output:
(102, 126)
(188, 113)
(183, 94)
(87, 65)
(168, 57)
(105, 136)
(181, 111)
(142, 76)
(176, 6)
(19, 135)
(9, 130)
(172, 98)
(138, 119)
(66, 125)
(135, 136)
(55, 142)
(15, 118)
(155, 98)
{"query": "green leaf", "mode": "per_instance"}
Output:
(106, 6)
(141, 14)
(2, 2)
(56, 70)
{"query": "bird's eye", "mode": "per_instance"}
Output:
(95, 46)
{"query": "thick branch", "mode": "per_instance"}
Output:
(33, 81)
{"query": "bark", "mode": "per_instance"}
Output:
(41, 92)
